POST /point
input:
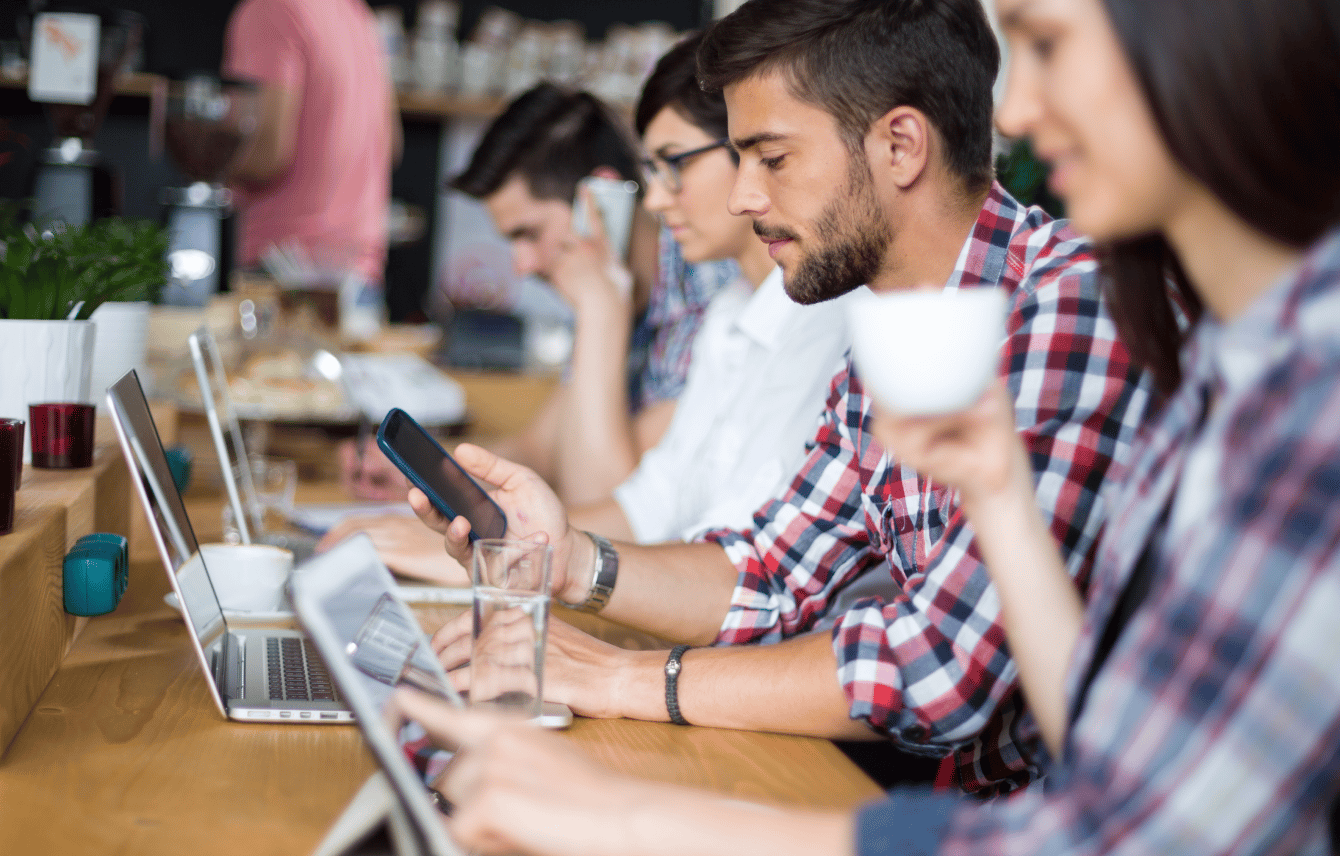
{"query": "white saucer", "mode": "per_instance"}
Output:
(234, 614)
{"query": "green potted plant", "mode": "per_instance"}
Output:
(51, 283)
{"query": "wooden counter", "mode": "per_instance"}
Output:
(126, 753)
(54, 509)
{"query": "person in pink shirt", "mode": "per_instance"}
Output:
(318, 171)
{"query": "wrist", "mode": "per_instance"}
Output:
(639, 686)
(581, 552)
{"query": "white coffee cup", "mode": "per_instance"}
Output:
(923, 353)
(248, 577)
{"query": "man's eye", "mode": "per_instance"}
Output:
(773, 162)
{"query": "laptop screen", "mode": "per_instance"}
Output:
(164, 507)
(372, 643)
(226, 432)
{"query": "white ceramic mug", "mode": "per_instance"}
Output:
(248, 577)
(923, 353)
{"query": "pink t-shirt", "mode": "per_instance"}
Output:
(333, 198)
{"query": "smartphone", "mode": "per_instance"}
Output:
(429, 468)
(617, 200)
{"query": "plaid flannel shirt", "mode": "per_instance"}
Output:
(1214, 724)
(929, 667)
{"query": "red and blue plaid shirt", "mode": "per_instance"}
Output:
(929, 666)
(1213, 725)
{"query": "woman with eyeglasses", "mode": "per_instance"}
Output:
(1193, 704)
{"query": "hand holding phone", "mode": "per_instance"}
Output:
(616, 200)
(429, 468)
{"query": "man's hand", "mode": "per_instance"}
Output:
(586, 272)
(580, 671)
(369, 475)
(405, 545)
(533, 512)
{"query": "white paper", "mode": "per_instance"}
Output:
(64, 67)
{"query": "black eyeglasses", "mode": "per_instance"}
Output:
(667, 168)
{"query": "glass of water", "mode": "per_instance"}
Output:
(511, 615)
(275, 481)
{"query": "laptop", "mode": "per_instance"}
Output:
(248, 510)
(255, 673)
(347, 601)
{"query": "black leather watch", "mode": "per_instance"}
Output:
(673, 667)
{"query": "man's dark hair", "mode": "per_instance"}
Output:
(859, 59)
(674, 84)
(552, 138)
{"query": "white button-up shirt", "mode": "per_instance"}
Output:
(757, 384)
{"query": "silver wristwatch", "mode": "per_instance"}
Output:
(603, 575)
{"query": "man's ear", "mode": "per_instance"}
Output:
(899, 145)
(605, 172)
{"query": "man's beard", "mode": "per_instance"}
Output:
(851, 238)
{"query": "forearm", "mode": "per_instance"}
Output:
(605, 517)
(595, 448)
(1041, 609)
(788, 688)
(680, 592)
(271, 150)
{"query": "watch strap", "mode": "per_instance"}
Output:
(603, 575)
(673, 666)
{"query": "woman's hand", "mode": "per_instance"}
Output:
(975, 451)
(518, 789)
(405, 545)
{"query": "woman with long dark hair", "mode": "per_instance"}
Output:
(1193, 704)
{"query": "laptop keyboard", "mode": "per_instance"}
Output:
(295, 671)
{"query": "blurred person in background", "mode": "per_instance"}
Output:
(317, 174)
(1192, 706)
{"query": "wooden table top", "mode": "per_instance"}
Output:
(125, 752)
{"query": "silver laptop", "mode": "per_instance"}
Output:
(347, 600)
(254, 673)
(224, 427)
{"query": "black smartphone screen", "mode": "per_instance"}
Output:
(433, 471)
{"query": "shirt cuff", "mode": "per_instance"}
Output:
(910, 821)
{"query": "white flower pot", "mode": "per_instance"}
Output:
(122, 344)
(43, 361)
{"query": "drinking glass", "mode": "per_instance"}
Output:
(510, 597)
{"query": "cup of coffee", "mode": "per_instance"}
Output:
(926, 353)
(248, 577)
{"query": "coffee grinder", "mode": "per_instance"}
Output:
(207, 122)
(72, 185)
